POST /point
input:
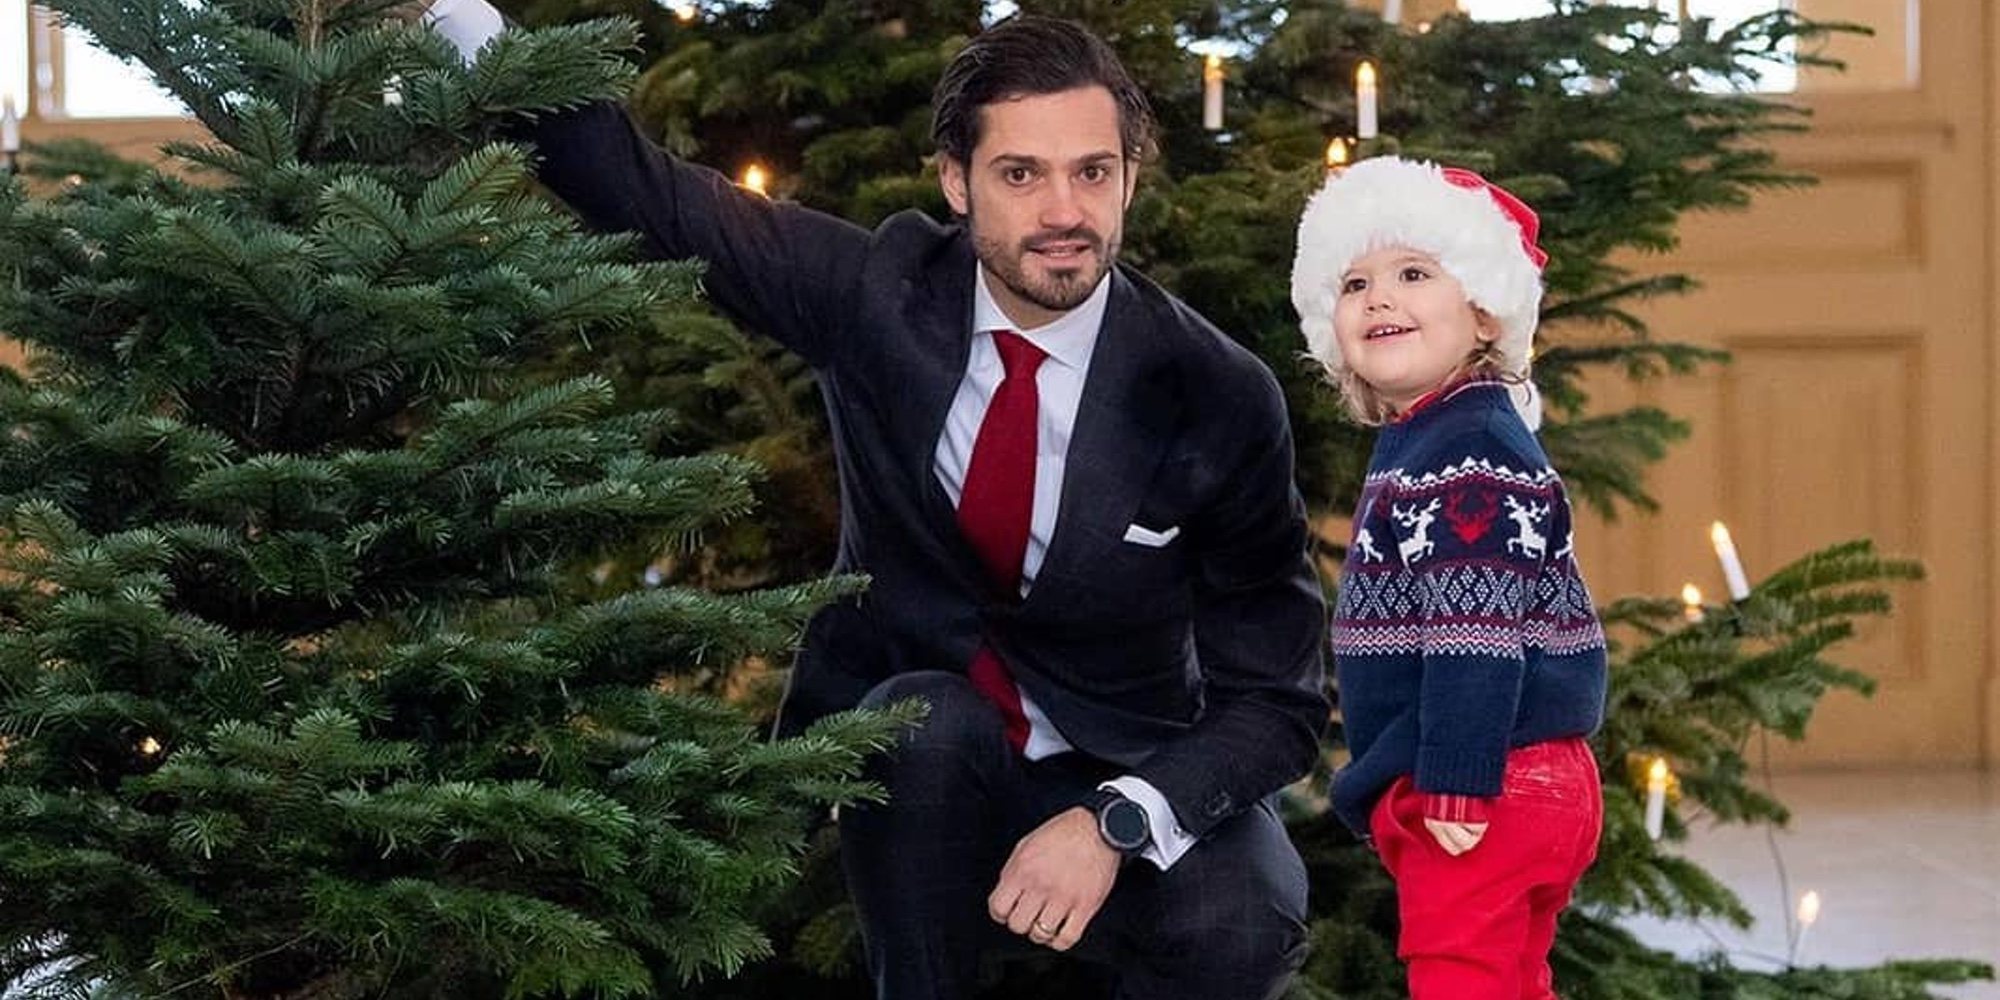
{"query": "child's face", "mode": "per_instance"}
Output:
(1404, 323)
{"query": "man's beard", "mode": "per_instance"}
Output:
(1057, 291)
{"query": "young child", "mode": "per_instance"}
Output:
(1470, 659)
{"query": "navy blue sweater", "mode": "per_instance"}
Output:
(1463, 628)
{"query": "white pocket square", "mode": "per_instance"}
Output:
(1139, 534)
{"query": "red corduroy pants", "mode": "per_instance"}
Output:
(1479, 926)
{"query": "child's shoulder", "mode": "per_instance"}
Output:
(1490, 439)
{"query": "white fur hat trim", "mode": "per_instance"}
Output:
(1388, 201)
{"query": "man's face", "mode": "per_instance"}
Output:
(1045, 195)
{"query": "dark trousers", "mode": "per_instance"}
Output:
(1227, 922)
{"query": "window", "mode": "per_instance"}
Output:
(14, 54)
(98, 85)
(57, 73)
(1887, 60)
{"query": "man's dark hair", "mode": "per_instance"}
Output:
(1025, 56)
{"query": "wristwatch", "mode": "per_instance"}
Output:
(1122, 822)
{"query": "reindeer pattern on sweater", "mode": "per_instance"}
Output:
(1463, 627)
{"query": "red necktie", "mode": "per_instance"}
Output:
(997, 504)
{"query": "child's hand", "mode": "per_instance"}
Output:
(1456, 822)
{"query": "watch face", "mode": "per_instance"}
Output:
(1124, 823)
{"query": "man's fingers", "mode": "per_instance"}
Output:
(1022, 920)
(1073, 927)
(1002, 902)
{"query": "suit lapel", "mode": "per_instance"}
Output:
(939, 314)
(1123, 425)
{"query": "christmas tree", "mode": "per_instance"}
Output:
(1592, 112)
(293, 700)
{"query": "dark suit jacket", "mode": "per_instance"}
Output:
(1198, 665)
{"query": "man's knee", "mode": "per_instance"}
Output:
(958, 722)
(1248, 953)
(1236, 926)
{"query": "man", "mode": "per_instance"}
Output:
(1074, 498)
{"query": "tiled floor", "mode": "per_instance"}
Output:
(1906, 863)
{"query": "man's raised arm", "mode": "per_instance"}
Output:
(785, 271)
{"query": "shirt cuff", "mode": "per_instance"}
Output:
(467, 24)
(1454, 808)
(1169, 840)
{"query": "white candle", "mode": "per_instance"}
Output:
(1656, 797)
(1364, 101)
(1392, 11)
(1732, 567)
(1691, 603)
(1211, 94)
(1808, 914)
(10, 128)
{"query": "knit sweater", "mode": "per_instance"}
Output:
(1463, 628)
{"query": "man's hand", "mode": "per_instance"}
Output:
(410, 12)
(1055, 881)
(1456, 822)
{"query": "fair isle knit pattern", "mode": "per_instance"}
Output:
(1463, 627)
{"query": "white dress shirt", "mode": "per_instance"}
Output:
(1068, 342)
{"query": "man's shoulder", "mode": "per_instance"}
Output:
(912, 238)
(1190, 337)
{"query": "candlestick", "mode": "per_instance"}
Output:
(755, 178)
(1732, 567)
(1211, 94)
(1691, 603)
(1656, 797)
(1364, 101)
(1337, 155)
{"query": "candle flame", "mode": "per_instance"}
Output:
(1718, 533)
(685, 12)
(755, 178)
(1365, 75)
(1656, 773)
(1808, 908)
(1336, 152)
(1211, 69)
(1691, 595)
(149, 746)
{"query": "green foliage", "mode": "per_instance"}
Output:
(293, 698)
(1589, 113)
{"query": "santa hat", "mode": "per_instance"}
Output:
(1479, 232)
